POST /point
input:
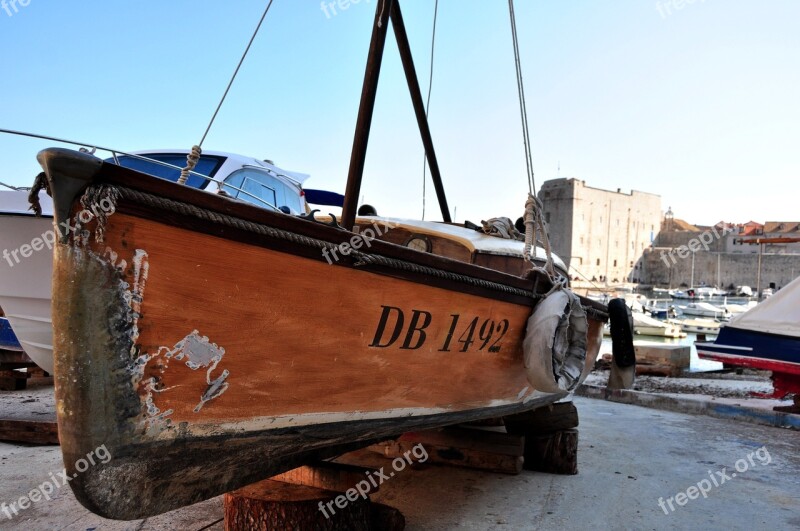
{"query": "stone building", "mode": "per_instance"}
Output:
(600, 234)
(685, 255)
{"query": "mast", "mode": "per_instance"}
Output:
(419, 105)
(365, 111)
(384, 11)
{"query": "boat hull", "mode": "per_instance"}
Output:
(756, 350)
(25, 283)
(8, 340)
(204, 351)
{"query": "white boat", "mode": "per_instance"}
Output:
(688, 294)
(705, 309)
(647, 326)
(26, 241)
(736, 309)
(766, 338)
(744, 291)
(26, 270)
(701, 326)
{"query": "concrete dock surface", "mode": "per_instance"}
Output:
(639, 468)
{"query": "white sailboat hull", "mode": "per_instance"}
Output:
(26, 270)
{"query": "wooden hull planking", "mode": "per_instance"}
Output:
(203, 363)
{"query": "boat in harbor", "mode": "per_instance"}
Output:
(744, 291)
(688, 294)
(26, 243)
(736, 309)
(766, 337)
(700, 326)
(645, 325)
(705, 309)
(208, 343)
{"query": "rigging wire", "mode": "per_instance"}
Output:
(522, 104)
(15, 188)
(428, 106)
(236, 72)
(194, 155)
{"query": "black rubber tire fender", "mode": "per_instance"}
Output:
(621, 333)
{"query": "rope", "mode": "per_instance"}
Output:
(191, 161)
(197, 150)
(271, 232)
(40, 183)
(522, 105)
(9, 186)
(428, 107)
(534, 225)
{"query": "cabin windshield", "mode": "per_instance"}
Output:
(207, 165)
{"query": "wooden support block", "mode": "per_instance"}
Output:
(36, 372)
(554, 453)
(329, 476)
(29, 431)
(276, 505)
(657, 369)
(482, 450)
(548, 419)
(13, 380)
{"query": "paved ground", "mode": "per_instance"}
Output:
(630, 457)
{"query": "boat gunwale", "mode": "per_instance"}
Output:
(112, 174)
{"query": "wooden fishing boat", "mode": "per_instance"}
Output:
(206, 343)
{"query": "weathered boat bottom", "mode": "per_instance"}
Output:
(183, 472)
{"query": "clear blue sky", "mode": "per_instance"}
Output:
(695, 101)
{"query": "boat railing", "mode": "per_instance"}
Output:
(116, 153)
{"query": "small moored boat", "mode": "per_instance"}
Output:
(701, 326)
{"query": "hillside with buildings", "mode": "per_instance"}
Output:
(613, 237)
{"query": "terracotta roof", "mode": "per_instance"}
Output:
(781, 227)
(683, 226)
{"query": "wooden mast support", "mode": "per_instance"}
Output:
(419, 106)
(365, 111)
(384, 10)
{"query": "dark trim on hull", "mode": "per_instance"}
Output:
(770, 347)
(186, 471)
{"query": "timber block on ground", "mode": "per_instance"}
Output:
(551, 440)
(278, 505)
(29, 431)
(13, 380)
(553, 453)
(328, 475)
(14, 359)
(491, 451)
(678, 356)
(548, 419)
(650, 368)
